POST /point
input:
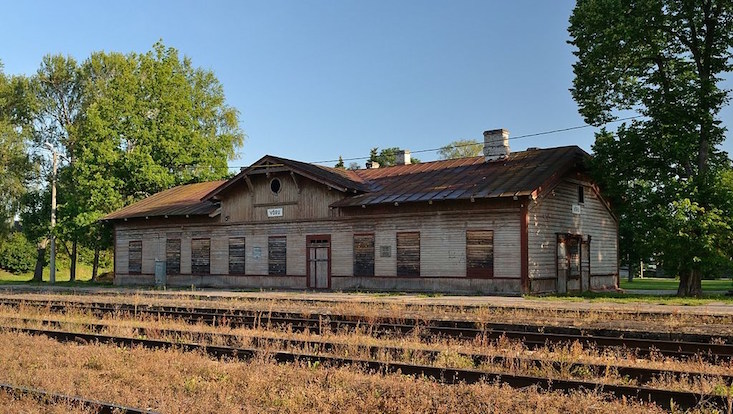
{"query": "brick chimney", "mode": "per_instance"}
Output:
(496, 144)
(403, 157)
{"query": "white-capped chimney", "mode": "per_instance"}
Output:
(403, 157)
(496, 144)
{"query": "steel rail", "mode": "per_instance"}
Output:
(639, 374)
(10, 289)
(55, 398)
(663, 397)
(533, 336)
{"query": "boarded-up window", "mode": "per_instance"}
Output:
(408, 254)
(363, 255)
(173, 256)
(135, 257)
(236, 255)
(200, 256)
(480, 253)
(277, 255)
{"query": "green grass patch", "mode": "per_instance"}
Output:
(618, 297)
(83, 277)
(654, 283)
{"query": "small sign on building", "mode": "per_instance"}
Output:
(275, 212)
(576, 208)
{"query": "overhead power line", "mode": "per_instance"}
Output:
(536, 134)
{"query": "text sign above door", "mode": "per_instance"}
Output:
(275, 212)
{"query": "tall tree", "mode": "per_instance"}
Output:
(16, 168)
(461, 148)
(149, 122)
(59, 97)
(664, 59)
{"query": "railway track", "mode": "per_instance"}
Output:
(679, 346)
(55, 398)
(203, 296)
(261, 342)
(663, 397)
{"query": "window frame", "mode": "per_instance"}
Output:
(129, 257)
(168, 269)
(243, 257)
(373, 255)
(400, 254)
(208, 263)
(581, 194)
(270, 272)
(474, 271)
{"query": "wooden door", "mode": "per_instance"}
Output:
(319, 261)
(573, 271)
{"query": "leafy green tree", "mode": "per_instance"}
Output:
(664, 59)
(340, 164)
(388, 156)
(149, 122)
(16, 167)
(17, 254)
(58, 93)
(461, 148)
(34, 216)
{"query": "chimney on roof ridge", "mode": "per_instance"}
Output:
(403, 157)
(372, 164)
(496, 144)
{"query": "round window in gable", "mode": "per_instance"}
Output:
(275, 185)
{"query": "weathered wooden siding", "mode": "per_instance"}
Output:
(442, 249)
(551, 214)
(312, 201)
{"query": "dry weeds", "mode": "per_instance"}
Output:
(413, 349)
(174, 382)
(680, 322)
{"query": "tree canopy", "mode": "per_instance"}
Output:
(461, 148)
(16, 168)
(387, 157)
(663, 171)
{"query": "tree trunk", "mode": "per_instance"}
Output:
(95, 265)
(690, 284)
(40, 262)
(72, 270)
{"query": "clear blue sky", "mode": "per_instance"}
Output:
(317, 79)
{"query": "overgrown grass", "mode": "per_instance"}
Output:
(176, 382)
(655, 283)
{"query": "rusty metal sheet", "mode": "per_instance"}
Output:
(177, 201)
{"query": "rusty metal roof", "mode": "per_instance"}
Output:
(519, 174)
(461, 179)
(177, 201)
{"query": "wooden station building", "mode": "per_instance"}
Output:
(502, 223)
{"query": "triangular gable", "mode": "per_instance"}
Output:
(331, 177)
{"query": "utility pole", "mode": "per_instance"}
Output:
(52, 264)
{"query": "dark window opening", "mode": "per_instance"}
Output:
(581, 194)
(135, 257)
(275, 185)
(173, 256)
(277, 255)
(408, 254)
(201, 256)
(480, 253)
(236, 255)
(363, 255)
